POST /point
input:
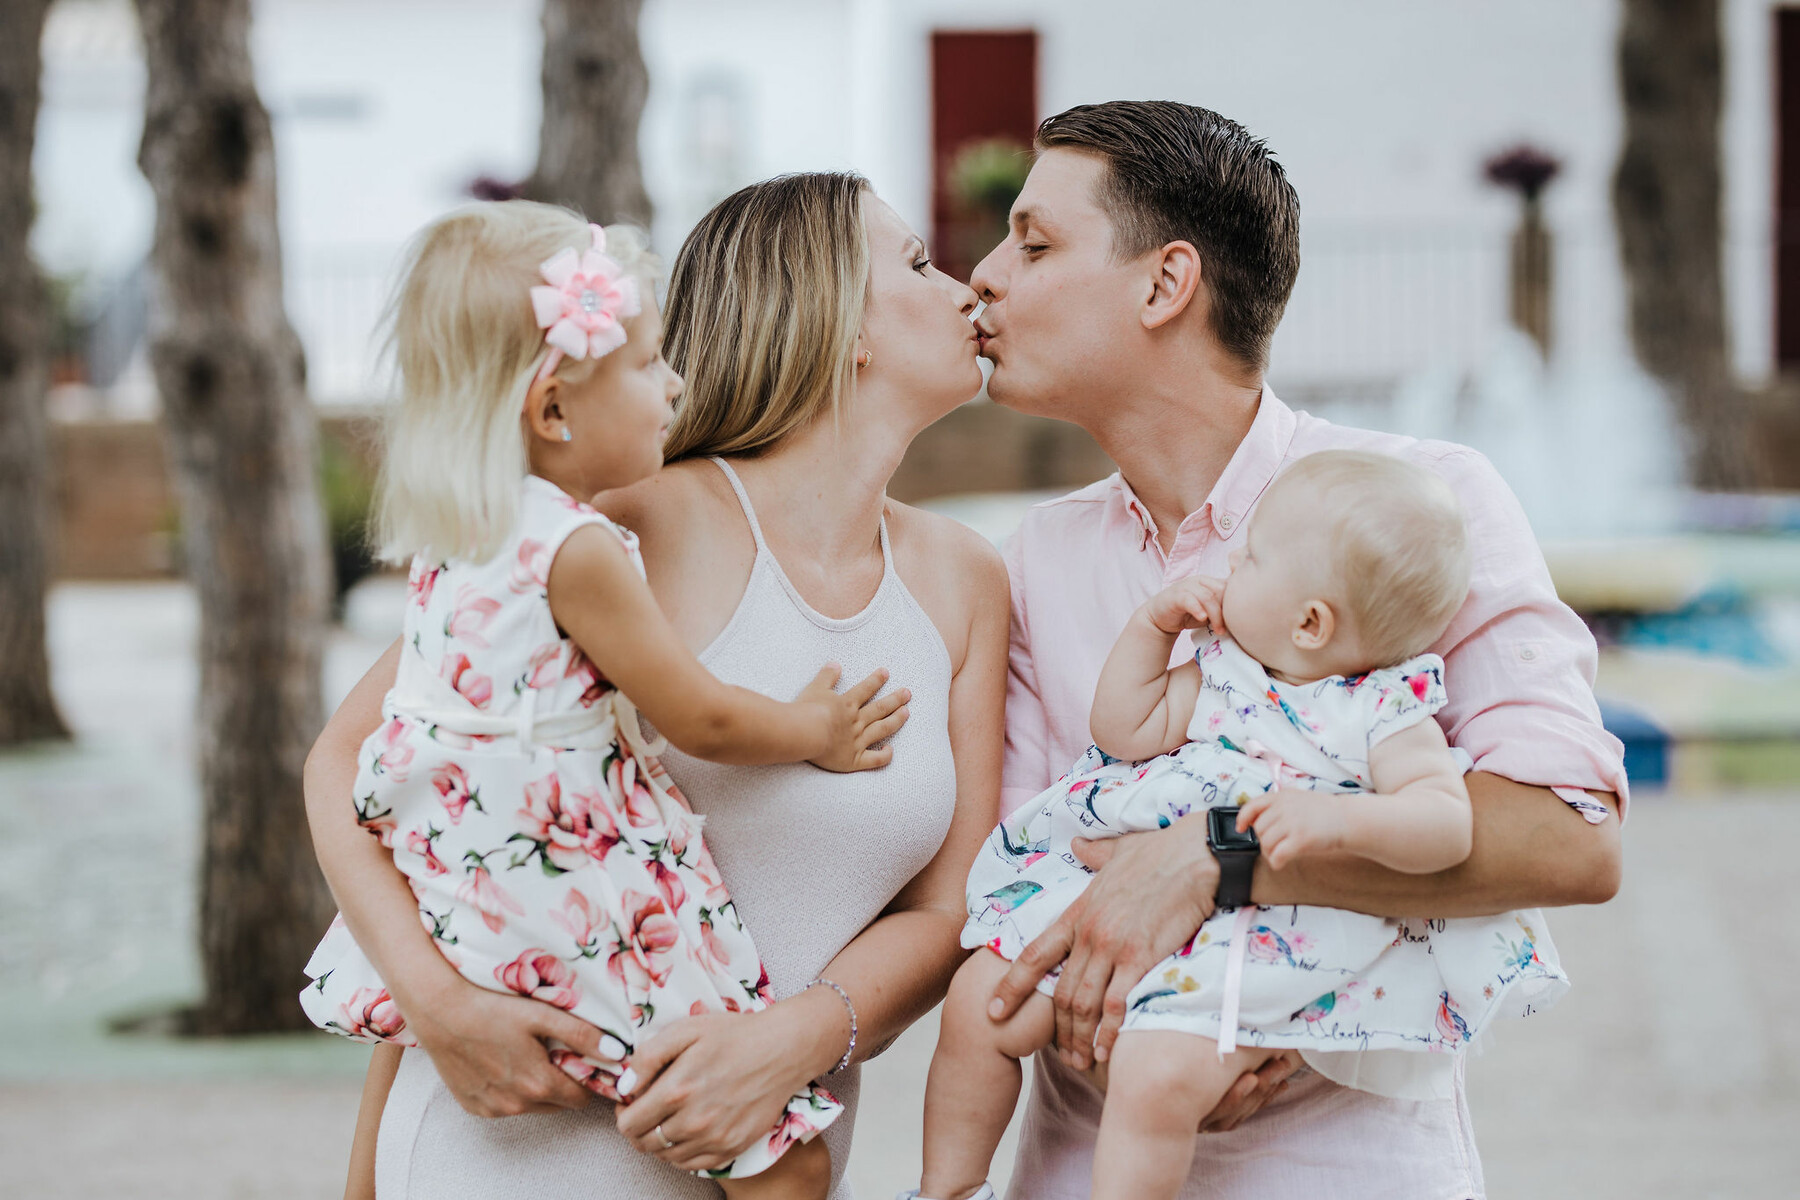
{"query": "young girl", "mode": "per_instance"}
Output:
(550, 854)
(1314, 716)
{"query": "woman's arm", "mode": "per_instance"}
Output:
(487, 1047)
(713, 1103)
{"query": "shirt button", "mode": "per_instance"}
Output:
(1225, 522)
(1527, 654)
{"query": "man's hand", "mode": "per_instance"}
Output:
(1292, 822)
(489, 1049)
(1190, 603)
(1252, 1090)
(1152, 892)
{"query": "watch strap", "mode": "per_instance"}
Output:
(1236, 870)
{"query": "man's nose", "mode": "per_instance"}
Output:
(986, 281)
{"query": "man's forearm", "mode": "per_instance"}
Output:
(1530, 850)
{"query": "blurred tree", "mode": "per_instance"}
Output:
(1666, 198)
(595, 83)
(27, 709)
(241, 441)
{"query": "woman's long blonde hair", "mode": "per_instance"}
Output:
(466, 348)
(765, 303)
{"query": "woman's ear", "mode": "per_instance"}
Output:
(1317, 625)
(544, 416)
(1173, 284)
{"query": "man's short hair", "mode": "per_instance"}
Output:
(1175, 172)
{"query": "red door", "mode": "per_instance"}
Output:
(983, 117)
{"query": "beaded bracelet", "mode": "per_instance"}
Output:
(845, 997)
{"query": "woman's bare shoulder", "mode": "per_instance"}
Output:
(954, 572)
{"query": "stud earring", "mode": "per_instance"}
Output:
(567, 436)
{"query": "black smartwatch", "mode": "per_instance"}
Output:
(1236, 853)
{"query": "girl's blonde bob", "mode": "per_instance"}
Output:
(765, 303)
(466, 348)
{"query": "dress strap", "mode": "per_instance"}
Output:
(737, 485)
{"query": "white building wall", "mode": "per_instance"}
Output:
(1382, 112)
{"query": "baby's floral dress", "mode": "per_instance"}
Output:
(551, 855)
(1359, 996)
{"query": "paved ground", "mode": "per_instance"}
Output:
(1670, 1072)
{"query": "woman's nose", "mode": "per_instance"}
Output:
(966, 299)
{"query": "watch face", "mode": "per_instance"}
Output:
(1222, 831)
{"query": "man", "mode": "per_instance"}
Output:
(1150, 256)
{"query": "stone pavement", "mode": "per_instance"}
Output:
(1658, 1078)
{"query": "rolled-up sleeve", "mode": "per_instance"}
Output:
(1026, 768)
(1519, 661)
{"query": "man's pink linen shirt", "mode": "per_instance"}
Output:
(1519, 668)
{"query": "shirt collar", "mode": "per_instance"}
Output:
(1252, 468)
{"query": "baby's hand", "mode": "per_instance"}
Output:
(1293, 822)
(855, 720)
(1188, 604)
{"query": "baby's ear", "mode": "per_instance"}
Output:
(1317, 626)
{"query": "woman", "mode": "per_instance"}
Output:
(817, 341)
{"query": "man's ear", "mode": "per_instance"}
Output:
(1174, 282)
(544, 417)
(1317, 625)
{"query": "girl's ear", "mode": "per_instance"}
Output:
(544, 417)
(1317, 625)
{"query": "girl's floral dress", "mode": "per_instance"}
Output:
(551, 855)
(1357, 995)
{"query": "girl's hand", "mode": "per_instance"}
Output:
(1190, 603)
(717, 1083)
(490, 1051)
(855, 719)
(1292, 822)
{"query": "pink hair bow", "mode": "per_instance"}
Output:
(583, 309)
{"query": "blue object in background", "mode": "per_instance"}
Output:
(1646, 743)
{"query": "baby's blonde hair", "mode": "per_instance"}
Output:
(1399, 548)
(466, 348)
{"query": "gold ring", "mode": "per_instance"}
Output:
(667, 1144)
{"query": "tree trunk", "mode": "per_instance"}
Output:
(241, 441)
(27, 709)
(595, 83)
(1666, 197)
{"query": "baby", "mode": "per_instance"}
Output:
(1306, 732)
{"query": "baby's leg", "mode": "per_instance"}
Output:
(803, 1173)
(1162, 1084)
(975, 1077)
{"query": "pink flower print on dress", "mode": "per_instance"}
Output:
(583, 310)
(592, 1076)
(459, 673)
(584, 920)
(712, 952)
(481, 893)
(1419, 684)
(640, 805)
(544, 667)
(569, 829)
(594, 685)
(669, 884)
(542, 976)
(793, 1127)
(470, 617)
(654, 933)
(420, 580)
(628, 970)
(371, 1013)
(420, 844)
(531, 573)
(394, 751)
(452, 784)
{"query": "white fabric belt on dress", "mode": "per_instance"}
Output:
(426, 697)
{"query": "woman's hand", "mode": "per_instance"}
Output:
(489, 1049)
(719, 1082)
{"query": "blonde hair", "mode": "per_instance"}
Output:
(466, 347)
(1398, 545)
(765, 303)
